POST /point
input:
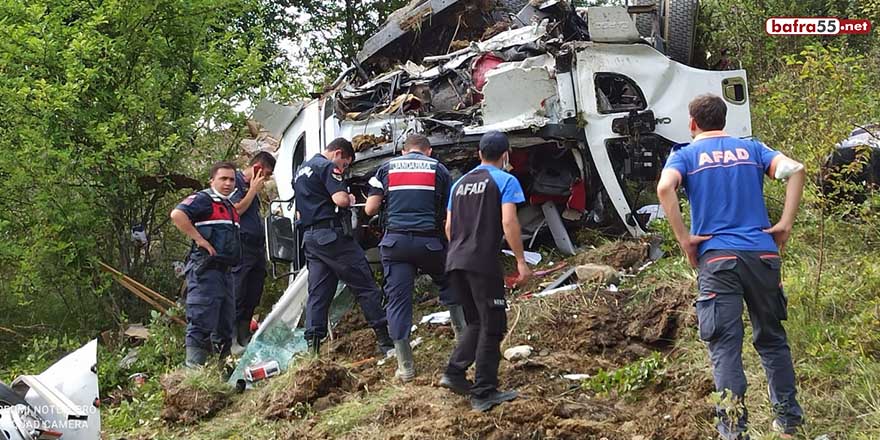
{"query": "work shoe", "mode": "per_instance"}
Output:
(782, 431)
(496, 397)
(458, 385)
(406, 369)
(456, 314)
(196, 357)
(383, 340)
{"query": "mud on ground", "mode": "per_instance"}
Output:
(572, 332)
(191, 396)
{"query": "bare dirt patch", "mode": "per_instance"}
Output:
(309, 383)
(189, 399)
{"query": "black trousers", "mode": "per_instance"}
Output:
(331, 257)
(482, 298)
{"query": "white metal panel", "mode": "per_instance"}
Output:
(668, 87)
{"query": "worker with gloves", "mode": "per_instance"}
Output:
(415, 189)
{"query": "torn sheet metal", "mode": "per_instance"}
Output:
(612, 24)
(402, 22)
(529, 107)
(275, 118)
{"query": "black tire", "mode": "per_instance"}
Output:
(644, 22)
(680, 24)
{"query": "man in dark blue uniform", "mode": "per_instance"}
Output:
(210, 220)
(482, 208)
(736, 251)
(249, 277)
(415, 189)
(322, 208)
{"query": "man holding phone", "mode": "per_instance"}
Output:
(249, 277)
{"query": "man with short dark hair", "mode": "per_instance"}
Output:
(248, 278)
(332, 254)
(210, 220)
(415, 189)
(736, 251)
(482, 208)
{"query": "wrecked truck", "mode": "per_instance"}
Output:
(591, 106)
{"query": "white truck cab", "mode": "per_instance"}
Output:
(592, 109)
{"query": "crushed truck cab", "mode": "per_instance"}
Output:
(592, 109)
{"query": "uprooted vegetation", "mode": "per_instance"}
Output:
(592, 331)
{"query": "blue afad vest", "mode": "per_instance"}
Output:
(221, 230)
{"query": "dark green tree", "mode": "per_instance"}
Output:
(107, 105)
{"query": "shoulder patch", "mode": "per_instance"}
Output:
(188, 201)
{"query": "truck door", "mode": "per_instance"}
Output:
(633, 102)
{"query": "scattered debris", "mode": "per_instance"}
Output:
(137, 331)
(130, 358)
(436, 318)
(532, 258)
(597, 273)
(518, 353)
(549, 292)
(364, 142)
(576, 377)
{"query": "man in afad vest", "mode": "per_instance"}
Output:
(211, 221)
(482, 209)
(415, 189)
(736, 250)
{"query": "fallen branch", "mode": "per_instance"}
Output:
(152, 293)
(146, 294)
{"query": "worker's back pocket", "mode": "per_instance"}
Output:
(434, 245)
(706, 316)
(718, 275)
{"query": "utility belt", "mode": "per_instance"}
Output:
(343, 222)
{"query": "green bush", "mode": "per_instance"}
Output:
(625, 380)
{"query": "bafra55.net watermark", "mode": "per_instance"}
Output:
(816, 26)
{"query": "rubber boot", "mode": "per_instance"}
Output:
(196, 357)
(243, 333)
(456, 313)
(314, 344)
(383, 340)
(406, 369)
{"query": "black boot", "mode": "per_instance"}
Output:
(488, 401)
(458, 385)
(314, 344)
(383, 340)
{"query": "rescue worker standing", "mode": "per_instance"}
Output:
(322, 207)
(736, 251)
(249, 277)
(482, 207)
(210, 220)
(415, 189)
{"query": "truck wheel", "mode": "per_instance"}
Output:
(645, 22)
(680, 22)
